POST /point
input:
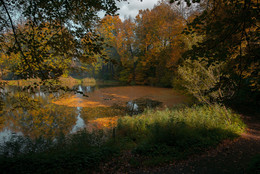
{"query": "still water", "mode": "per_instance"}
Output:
(35, 115)
(45, 114)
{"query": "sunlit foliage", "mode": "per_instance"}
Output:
(43, 34)
(147, 48)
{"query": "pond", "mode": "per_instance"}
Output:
(45, 114)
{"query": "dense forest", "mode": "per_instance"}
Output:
(174, 81)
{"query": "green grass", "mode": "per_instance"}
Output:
(153, 137)
(175, 134)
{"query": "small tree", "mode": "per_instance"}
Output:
(202, 80)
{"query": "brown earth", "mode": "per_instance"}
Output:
(229, 157)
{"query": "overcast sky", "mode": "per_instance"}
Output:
(132, 7)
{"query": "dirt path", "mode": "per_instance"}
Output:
(230, 157)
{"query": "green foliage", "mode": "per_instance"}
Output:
(199, 79)
(44, 37)
(230, 33)
(179, 132)
(124, 76)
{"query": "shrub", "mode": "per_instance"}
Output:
(201, 80)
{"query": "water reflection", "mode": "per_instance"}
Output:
(47, 121)
(6, 135)
(132, 106)
(80, 88)
(80, 124)
(37, 116)
(139, 105)
(39, 94)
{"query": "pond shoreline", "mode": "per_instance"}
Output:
(100, 106)
(109, 96)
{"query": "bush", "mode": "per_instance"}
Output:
(200, 80)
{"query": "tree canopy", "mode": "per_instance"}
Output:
(230, 32)
(147, 47)
(37, 31)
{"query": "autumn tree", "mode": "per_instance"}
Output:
(109, 29)
(120, 38)
(148, 47)
(66, 20)
(230, 31)
(160, 47)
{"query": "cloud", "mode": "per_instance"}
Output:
(132, 7)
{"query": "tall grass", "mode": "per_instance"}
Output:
(179, 132)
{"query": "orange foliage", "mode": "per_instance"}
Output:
(100, 123)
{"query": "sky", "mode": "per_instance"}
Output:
(132, 7)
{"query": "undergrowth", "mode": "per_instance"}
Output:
(65, 154)
(153, 137)
(176, 133)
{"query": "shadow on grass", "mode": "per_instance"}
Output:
(167, 135)
(165, 145)
(78, 152)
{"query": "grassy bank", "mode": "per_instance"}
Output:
(22, 82)
(153, 137)
(174, 134)
(70, 81)
(64, 81)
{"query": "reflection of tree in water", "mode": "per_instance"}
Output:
(91, 113)
(1, 122)
(48, 121)
(1, 112)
